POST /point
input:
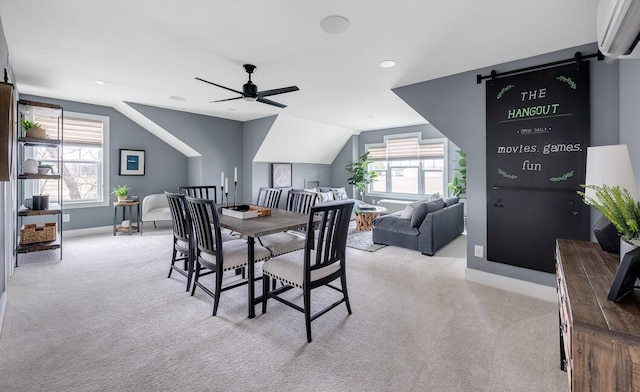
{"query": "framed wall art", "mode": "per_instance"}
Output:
(281, 175)
(131, 162)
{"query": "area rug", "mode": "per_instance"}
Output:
(361, 239)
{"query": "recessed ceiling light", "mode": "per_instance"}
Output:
(387, 64)
(335, 24)
(177, 98)
(101, 83)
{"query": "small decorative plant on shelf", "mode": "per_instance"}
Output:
(32, 129)
(121, 192)
(617, 205)
(458, 187)
(361, 176)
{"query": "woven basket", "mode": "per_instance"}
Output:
(30, 233)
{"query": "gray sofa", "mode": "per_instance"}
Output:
(425, 226)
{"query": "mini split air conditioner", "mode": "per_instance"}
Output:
(618, 27)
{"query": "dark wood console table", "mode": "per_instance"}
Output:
(599, 339)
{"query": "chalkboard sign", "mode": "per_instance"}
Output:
(537, 138)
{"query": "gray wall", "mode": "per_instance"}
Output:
(339, 174)
(165, 168)
(253, 134)
(7, 208)
(218, 140)
(629, 116)
(455, 105)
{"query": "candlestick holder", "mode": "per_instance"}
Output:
(227, 195)
(235, 192)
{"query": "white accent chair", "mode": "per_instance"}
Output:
(155, 208)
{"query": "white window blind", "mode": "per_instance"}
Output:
(406, 148)
(76, 130)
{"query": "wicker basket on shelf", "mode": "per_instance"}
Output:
(31, 233)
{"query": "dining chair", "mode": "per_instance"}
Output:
(291, 240)
(200, 192)
(183, 246)
(214, 255)
(320, 262)
(269, 197)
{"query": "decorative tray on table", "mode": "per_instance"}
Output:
(245, 211)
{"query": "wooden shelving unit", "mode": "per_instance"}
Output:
(30, 184)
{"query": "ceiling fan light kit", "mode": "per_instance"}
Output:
(250, 90)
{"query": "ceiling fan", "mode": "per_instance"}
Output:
(250, 91)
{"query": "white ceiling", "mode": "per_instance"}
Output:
(150, 50)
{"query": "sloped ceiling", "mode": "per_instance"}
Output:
(296, 140)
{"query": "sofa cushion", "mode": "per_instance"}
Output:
(339, 194)
(325, 196)
(423, 209)
(449, 201)
(394, 223)
(410, 209)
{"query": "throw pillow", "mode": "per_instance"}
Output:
(325, 196)
(314, 190)
(408, 211)
(435, 196)
(449, 201)
(339, 194)
(424, 209)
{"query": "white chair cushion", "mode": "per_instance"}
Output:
(235, 254)
(182, 244)
(281, 243)
(289, 268)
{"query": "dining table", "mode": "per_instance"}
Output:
(278, 221)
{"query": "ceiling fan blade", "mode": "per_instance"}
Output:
(228, 99)
(270, 102)
(276, 91)
(217, 85)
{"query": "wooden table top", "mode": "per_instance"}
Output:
(126, 203)
(279, 220)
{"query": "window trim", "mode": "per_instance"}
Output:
(418, 135)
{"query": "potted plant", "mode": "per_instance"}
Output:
(32, 129)
(458, 186)
(361, 176)
(121, 192)
(617, 205)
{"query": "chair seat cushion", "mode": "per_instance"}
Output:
(289, 268)
(281, 243)
(235, 254)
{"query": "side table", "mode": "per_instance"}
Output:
(365, 217)
(125, 205)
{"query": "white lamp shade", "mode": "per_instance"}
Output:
(610, 165)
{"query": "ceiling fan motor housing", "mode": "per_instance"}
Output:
(250, 90)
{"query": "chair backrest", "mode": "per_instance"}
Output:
(200, 192)
(206, 226)
(269, 197)
(180, 219)
(328, 238)
(301, 201)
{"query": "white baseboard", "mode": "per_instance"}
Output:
(523, 287)
(87, 231)
(3, 306)
(109, 229)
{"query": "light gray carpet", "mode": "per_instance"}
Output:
(106, 318)
(361, 239)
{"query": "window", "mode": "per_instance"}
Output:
(407, 165)
(85, 160)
